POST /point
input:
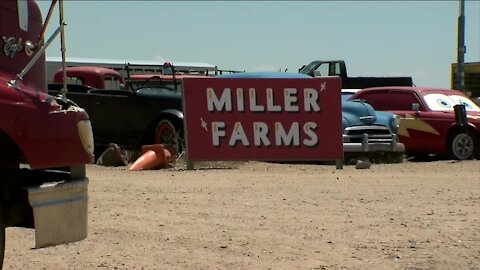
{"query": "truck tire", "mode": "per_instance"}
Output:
(166, 133)
(461, 145)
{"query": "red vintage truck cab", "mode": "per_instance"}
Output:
(45, 141)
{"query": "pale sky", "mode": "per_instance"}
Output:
(375, 38)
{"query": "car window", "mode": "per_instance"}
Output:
(442, 102)
(112, 82)
(469, 105)
(402, 101)
(378, 99)
(158, 84)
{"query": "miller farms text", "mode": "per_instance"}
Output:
(263, 119)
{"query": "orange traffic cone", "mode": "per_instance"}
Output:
(148, 161)
(162, 152)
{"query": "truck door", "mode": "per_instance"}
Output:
(109, 113)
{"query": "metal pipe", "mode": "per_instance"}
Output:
(45, 24)
(63, 92)
(461, 49)
(37, 55)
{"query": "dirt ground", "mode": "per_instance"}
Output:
(257, 215)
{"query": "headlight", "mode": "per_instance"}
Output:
(86, 135)
(395, 122)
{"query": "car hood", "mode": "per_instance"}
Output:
(358, 112)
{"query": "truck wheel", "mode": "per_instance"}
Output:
(461, 146)
(167, 134)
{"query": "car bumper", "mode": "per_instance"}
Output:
(60, 208)
(368, 144)
(373, 147)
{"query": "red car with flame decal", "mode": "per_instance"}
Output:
(428, 124)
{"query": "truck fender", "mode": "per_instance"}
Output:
(173, 112)
(173, 115)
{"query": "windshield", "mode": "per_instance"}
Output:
(442, 102)
(157, 84)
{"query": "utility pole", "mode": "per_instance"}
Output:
(461, 49)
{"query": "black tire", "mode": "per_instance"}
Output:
(461, 145)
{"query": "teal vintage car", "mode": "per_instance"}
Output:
(367, 134)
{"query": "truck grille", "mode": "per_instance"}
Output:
(374, 134)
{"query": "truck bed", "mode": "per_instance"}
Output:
(364, 82)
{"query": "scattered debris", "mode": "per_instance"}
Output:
(112, 157)
(361, 164)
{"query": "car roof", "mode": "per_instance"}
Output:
(164, 77)
(91, 69)
(418, 89)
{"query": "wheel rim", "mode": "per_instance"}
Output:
(462, 146)
(166, 134)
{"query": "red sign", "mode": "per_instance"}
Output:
(263, 119)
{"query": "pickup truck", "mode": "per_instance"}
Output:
(322, 68)
(130, 117)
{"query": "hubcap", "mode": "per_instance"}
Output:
(462, 146)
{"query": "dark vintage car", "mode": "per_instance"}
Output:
(129, 117)
(428, 123)
(367, 134)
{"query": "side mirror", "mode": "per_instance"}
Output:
(316, 73)
(122, 86)
(415, 107)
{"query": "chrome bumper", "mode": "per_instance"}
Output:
(60, 210)
(373, 144)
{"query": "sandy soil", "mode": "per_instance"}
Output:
(258, 215)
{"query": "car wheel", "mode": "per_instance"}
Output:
(167, 134)
(461, 146)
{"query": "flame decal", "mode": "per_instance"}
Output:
(414, 123)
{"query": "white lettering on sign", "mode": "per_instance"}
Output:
(238, 134)
(254, 107)
(217, 132)
(260, 132)
(271, 107)
(310, 97)
(290, 137)
(219, 104)
(309, 128)
(240, 102)
(281, 137)
(290, 101)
